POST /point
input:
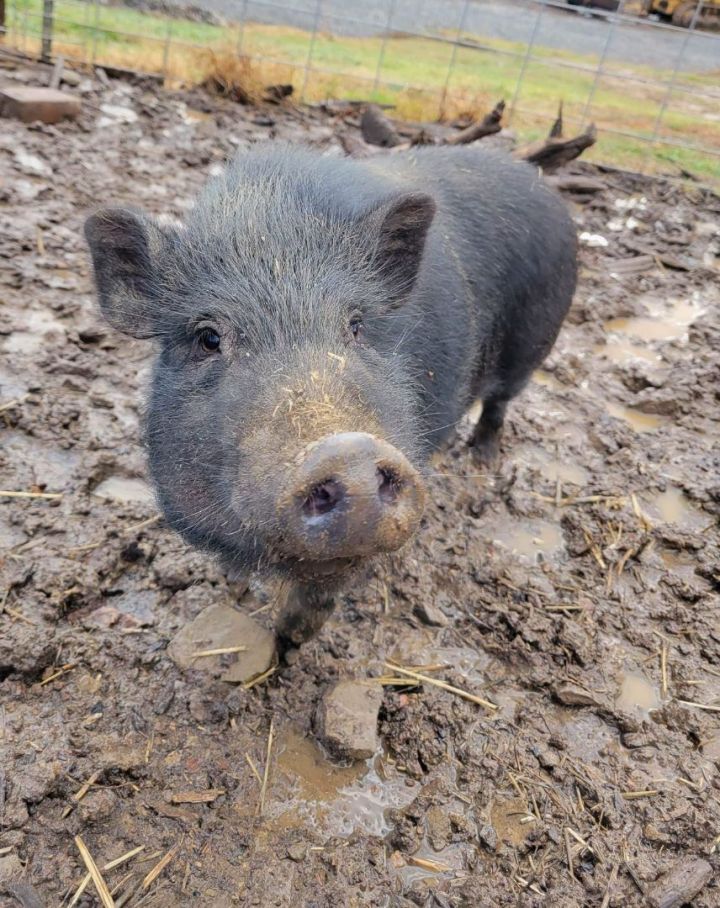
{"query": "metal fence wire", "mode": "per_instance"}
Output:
(651, 87)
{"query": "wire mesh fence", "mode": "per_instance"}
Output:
(651, 87)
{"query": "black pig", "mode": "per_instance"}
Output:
(322, 325)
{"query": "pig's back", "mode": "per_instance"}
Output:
(498, 273)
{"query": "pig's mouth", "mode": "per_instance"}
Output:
(325, 570)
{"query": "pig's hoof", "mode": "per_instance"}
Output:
(486, 451)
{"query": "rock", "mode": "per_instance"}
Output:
(437, 824)
(573, 695)
(10, 867)
(430, 614)
(297, 852)
(32, 104)
(31, 164)
(680, 885)
(347, 719)
(711, 749)
(221, 627)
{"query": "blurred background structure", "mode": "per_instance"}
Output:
(647, 72)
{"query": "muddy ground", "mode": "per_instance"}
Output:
(576, 589)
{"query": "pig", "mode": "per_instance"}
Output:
(322, 325)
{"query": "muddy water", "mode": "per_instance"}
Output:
(637, 692)
(665, 322)
(511, 821)
(123, 488)
(446, 861)
(32, 336)
(529, 540)
(636, 419)
(547, 380)
(673, 506)
(553, 469)
(623, 352)
(338, 799)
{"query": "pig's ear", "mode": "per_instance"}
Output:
(403, 224)
(125, 246)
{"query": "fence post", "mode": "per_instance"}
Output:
(311, 48)
(453, 57)
(383, 46)
(47, 31)
(526, 59)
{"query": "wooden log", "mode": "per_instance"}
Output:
(490, 123)
(680, 885)
(556, 130)
(577, 184)
(553, 153)
(377, 129)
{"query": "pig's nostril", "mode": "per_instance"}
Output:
(389, 485)
(323, 498)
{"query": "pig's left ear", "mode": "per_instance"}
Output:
(125, 246)
(402, 225)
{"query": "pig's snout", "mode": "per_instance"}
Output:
(351, 494)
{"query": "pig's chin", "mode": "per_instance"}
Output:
(307, 571)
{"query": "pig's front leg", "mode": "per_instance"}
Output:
(303, 612)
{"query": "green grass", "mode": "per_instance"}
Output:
(414, 77)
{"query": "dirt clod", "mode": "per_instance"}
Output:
(249, 647)
(680, 885)
(347, 719)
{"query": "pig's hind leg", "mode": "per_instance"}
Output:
(485, 439)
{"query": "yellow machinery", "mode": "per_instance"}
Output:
(681, 12)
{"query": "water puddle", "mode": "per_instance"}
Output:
(39, 463)
(622, 352)
(38, 325)
(664, 322)
(529, 539)
(638, 693)
(673, 506)
(511, 821)
(427, 863)
(190, 115)
(636, 419)
(551, 468)
(341, 799)
(547, 380)
(123, 488)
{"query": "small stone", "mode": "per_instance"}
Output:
(348, 719)
(711, 749)
(437, 824)
(430, 614)
(297, 852)
(572, 695)
(32, 104)
(10, 867)
(221, 627)
(488, 837)
(31, 164)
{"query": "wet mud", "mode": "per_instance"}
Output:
(575, 589)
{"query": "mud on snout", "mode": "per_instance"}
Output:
(339, 490)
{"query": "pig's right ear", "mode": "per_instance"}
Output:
(125, 246)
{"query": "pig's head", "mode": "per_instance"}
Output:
(283, 419)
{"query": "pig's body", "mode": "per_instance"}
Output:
(323, 324)
(496, 280)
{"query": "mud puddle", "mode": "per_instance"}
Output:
(340, 800)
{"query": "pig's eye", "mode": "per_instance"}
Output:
(209, 340)
(357, 328)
